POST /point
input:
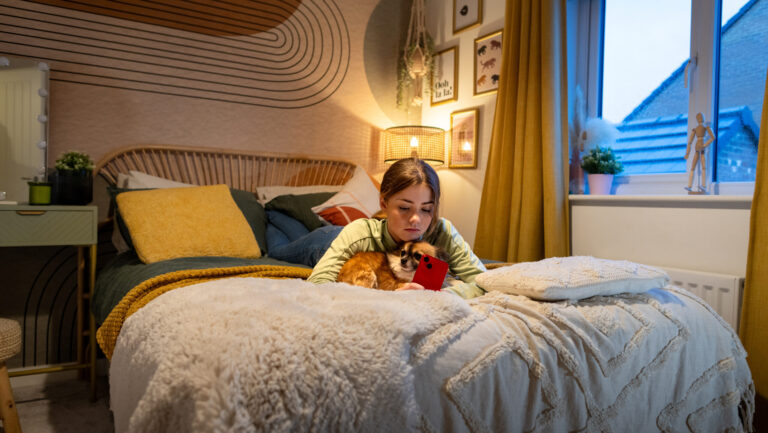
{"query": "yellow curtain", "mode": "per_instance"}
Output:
(524, 207)
(752, 329)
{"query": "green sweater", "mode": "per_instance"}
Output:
(372, 235)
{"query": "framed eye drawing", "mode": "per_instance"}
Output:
(467, 14)
(487, 63)
(464, 128)
(445, 85)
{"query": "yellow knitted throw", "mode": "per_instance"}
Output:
(140, 295)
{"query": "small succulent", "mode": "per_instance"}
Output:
(74, 161)
(601, 160)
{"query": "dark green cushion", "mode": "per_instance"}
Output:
(254, 213)
(250, 207)
(300, 207)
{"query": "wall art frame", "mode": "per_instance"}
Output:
(487, 65)
(467, 14)
(464, 130)
(445, 80)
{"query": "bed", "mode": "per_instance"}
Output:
(214, 344)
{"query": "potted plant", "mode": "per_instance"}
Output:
(73, 182)
(601, 164)
(417, 61)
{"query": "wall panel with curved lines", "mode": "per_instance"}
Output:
(272, 75)
(258, 53)
(311, 77)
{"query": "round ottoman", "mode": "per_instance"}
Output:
(10, 344)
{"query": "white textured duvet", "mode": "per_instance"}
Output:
(250, 355)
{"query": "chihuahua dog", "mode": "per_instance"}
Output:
(388, 271)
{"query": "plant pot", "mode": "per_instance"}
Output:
(73, 187)
(600, 183)
(39, 193)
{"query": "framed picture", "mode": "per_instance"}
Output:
(464, 127)
(445, 85)
(487, 63)
(467, 14)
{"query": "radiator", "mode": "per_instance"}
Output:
(721, 291)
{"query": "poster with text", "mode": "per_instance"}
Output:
(445, 79)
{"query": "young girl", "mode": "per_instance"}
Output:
(410, 195)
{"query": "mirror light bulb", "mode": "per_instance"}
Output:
(466, 146)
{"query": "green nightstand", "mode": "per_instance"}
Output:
(27, 226)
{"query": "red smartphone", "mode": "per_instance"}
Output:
(431, 272)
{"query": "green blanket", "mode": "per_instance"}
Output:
(126, 271)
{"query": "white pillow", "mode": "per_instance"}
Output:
(359, 193)
(267, 193)
(572, 278)
(138, 179)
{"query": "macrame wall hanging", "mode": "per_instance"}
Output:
(417, 60)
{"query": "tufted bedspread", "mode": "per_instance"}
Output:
(250, 355)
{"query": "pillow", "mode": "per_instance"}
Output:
(186, 222)
(290, 227)
(252, 211)
(137, 179)
(300, 207)
(358, 199)
(133, 180)
(266, 193)
(572, 278)
(308, 249)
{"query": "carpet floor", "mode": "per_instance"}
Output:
(64, 407)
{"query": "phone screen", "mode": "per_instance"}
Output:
(431, 272)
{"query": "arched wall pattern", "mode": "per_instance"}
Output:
(274, 54)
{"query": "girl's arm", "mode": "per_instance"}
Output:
(349, 242)
(462, 261)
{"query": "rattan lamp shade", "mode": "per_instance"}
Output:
(424, 142)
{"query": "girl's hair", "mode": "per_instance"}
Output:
(408, 172)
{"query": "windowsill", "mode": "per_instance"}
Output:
(687, 201)
(671, 184)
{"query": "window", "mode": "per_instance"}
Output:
(660, 63)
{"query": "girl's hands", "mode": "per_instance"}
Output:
(411, 286)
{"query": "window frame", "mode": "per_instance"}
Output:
(703, 96)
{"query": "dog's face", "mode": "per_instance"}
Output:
(405, 259)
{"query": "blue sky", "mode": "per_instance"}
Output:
(644, 42)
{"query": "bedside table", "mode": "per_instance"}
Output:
(28, 226)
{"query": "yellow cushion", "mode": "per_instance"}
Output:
(186, 222)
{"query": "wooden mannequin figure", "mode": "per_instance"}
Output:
(699, 132)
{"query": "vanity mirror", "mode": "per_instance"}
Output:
(23, 125)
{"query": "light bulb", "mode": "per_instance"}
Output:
(466, 147)
(414, 142)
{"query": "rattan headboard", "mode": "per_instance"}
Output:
(236, 168)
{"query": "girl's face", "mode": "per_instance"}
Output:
(409, 212)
